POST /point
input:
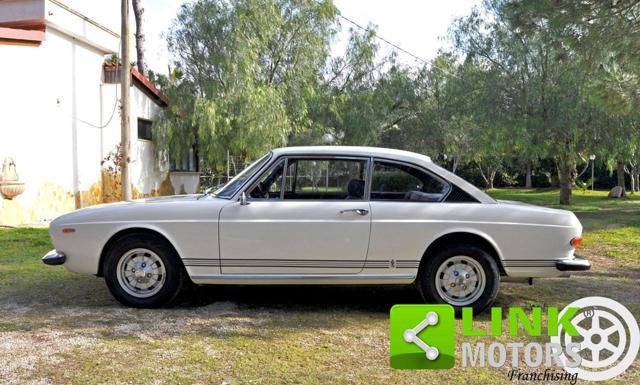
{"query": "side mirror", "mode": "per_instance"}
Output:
(243, 199)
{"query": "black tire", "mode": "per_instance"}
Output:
(175, 278)
(426, 281)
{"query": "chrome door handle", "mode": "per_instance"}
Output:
(357, 211)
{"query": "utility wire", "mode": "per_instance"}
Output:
(386, 41)
(418, 58)
(113, 113)
(115, 103)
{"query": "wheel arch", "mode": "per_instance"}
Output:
(132, 231)
(464, 236)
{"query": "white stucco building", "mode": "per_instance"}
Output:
(59, 112)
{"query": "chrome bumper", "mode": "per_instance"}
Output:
(575, 264)
(53, 258)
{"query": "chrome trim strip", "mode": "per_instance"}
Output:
(288, 279)
(529, 262)
(297, 263)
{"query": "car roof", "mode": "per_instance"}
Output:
(350, 150)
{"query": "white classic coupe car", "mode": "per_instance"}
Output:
(322, 215)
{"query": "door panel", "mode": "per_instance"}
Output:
(406, 212)
(294, 237)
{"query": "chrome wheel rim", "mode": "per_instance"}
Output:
(460, 280)
(141, 273)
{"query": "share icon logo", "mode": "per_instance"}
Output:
(422, 337)
(411, 335)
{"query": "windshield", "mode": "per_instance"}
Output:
(229, 189)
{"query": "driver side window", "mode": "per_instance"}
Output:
(269, 185)
(399, 182)
(325, 179)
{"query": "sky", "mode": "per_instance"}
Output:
(417, 26)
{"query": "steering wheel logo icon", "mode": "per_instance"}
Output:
(610, 338)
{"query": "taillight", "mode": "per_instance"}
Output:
(68, 230)
(576, 242)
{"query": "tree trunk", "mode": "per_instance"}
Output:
(138, 13)
(488, 178)
(636, 177)
(620, 172)
(567, 179)
(527, 180)
(554, 180)
(455, 164)
(492, 177)
(632, 185)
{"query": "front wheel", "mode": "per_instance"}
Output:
(143, 271)
(462, 276)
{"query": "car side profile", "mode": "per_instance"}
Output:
(322, 215)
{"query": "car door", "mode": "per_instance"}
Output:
(407, 211)
(305, 215)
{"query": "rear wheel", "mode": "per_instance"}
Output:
(143, 271)
(462, 276)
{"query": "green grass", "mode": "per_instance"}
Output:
(21, 247)
(581, 201)
(59, 327)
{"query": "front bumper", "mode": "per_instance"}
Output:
(575, 264)
(54, 257)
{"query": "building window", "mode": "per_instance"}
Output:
(188, 163)
(144, 129)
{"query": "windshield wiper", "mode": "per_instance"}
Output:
(206, 193)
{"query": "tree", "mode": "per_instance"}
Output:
(245, 73)
(605, 32)
(606, 36)
(347, 106)
(518, 92)
(540, 94)
(437, 115)
(138, 14)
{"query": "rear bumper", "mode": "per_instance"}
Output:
(53, 258)
(575, 264)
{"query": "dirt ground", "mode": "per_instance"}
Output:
(58, 327)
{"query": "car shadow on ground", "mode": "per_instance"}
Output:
(377, 299)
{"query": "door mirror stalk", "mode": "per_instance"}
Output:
(243, 199)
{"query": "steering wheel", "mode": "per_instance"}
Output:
(258, 191)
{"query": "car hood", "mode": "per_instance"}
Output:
(170, 198)
(175, 207)
(502, 201)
